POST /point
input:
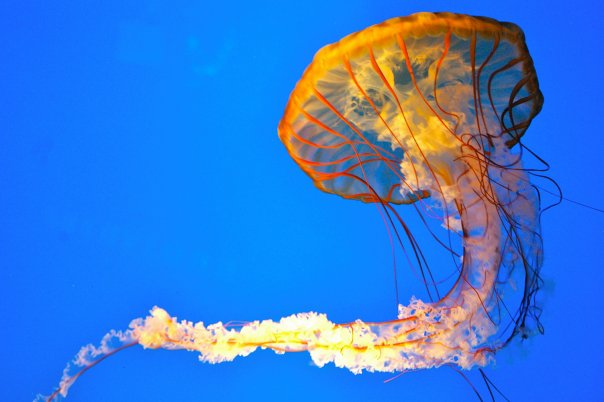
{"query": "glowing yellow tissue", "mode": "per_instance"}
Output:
(427, 110)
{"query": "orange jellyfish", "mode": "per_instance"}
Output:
(427, 110)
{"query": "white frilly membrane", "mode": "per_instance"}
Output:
(459, 329)
(456, 330)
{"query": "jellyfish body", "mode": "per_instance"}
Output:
(427, 110)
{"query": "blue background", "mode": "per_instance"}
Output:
(140, 166)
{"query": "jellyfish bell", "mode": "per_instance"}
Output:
(411, 88)
(426, 110)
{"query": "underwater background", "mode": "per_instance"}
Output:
(140, 166)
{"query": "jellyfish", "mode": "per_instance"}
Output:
(428, 111)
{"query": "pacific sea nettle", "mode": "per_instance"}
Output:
(426, 110)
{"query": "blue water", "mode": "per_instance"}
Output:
(140, 166)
